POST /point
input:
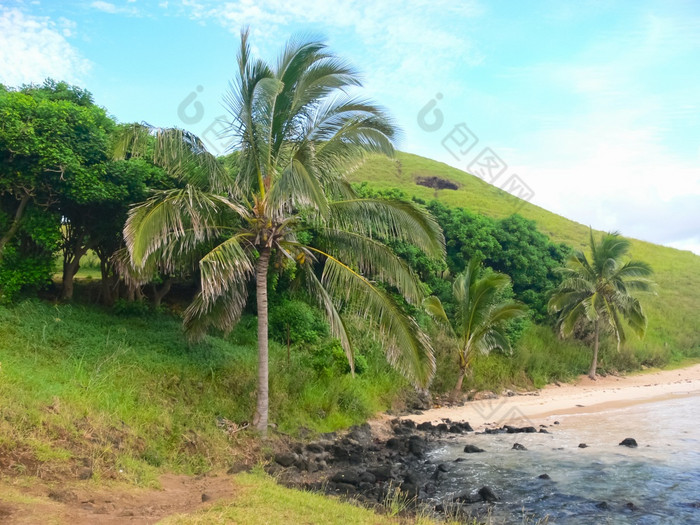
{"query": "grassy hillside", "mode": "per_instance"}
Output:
(674, 313)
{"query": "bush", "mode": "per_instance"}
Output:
(303, 322)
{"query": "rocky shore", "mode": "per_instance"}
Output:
(370, 466)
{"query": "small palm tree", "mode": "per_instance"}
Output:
(297, 135)
(480, 315)
(600, 291)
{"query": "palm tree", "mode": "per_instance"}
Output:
(600, 291)
(481, 314)
(297, 134)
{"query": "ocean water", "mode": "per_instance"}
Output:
(657, 482)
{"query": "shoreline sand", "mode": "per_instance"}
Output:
(583, 396)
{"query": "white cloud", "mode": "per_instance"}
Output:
(104, 6)
(33, 48)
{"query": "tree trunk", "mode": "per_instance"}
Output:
(594, 364)
(15, 225)
(260, 419)
(70, 268)
(159, 293)
(460, 380)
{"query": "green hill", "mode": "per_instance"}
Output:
(674, 314)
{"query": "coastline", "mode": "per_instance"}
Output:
(582, 396)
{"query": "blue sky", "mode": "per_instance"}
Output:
(594, 105)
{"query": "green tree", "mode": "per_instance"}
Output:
(297, 133)
(481, 314)
(601, 291)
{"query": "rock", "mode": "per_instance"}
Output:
(205, 497)
(408, 423)
(367, 477)
(236, 468)
(314, 448)
(544, 476)
(544, 431)
(603, 505)
(443, 467)
(285, 459)
(630, 506)
(472, 449)
(459, 460)
(519, 430)
(465, 426)
(426, 426)
(346, 476)
(487, 494)
(344, 488)
(518, 446)
(628, 442)
(394, 443)
(382, 472)
(582, 445)
(556, 422)
(442, 427)
(454, 429)
(416, 445)
(85, 473)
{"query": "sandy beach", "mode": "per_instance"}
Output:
(583, 396)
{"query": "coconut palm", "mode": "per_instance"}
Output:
(600, 292)
(481, 314)
(297, 134)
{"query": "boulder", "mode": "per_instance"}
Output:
(472, 449)
(628, 442)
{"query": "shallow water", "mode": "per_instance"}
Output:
(660, 478)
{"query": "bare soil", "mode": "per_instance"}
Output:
(83, 503)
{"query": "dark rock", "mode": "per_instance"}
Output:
(603, 505)
(382, 472)
(85, 473)
(544, 431)
(487, 494)
(314, 448)
(346, 476)
(455, 429)
(367, 477)
(519, 430)
(628, 442)
(205, 497)
(472, 449)
(408, 423)
(343, 488)
(518, 446)
(465, 426)
(426, 426)
(286, 459)
(416, 445)
(360, 433)
(544, 476)
(440, 508)
(236, 468)
(630, 506)
(395, 443)
(582, 445)
(556, 422)
(459, 460)
(443, 467)
(442, 427)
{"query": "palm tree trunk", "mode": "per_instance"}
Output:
(594, 364)
(260, 420)
(460, 380)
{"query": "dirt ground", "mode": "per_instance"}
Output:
(83, 503)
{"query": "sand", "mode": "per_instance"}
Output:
(583, 396)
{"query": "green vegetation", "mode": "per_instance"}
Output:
(600, 292)
(480, 316)
(672, 314)
(128, 397)
(261, 501)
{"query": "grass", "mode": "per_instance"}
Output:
(130, 398)
(260, 500)
(674, 313)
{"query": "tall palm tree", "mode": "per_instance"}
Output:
(298, 134)
(481, 314)
(600, 291)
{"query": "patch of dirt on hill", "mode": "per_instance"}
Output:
(84, 503)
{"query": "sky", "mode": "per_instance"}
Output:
(590, 109)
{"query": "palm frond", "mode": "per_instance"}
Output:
(389, 219)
